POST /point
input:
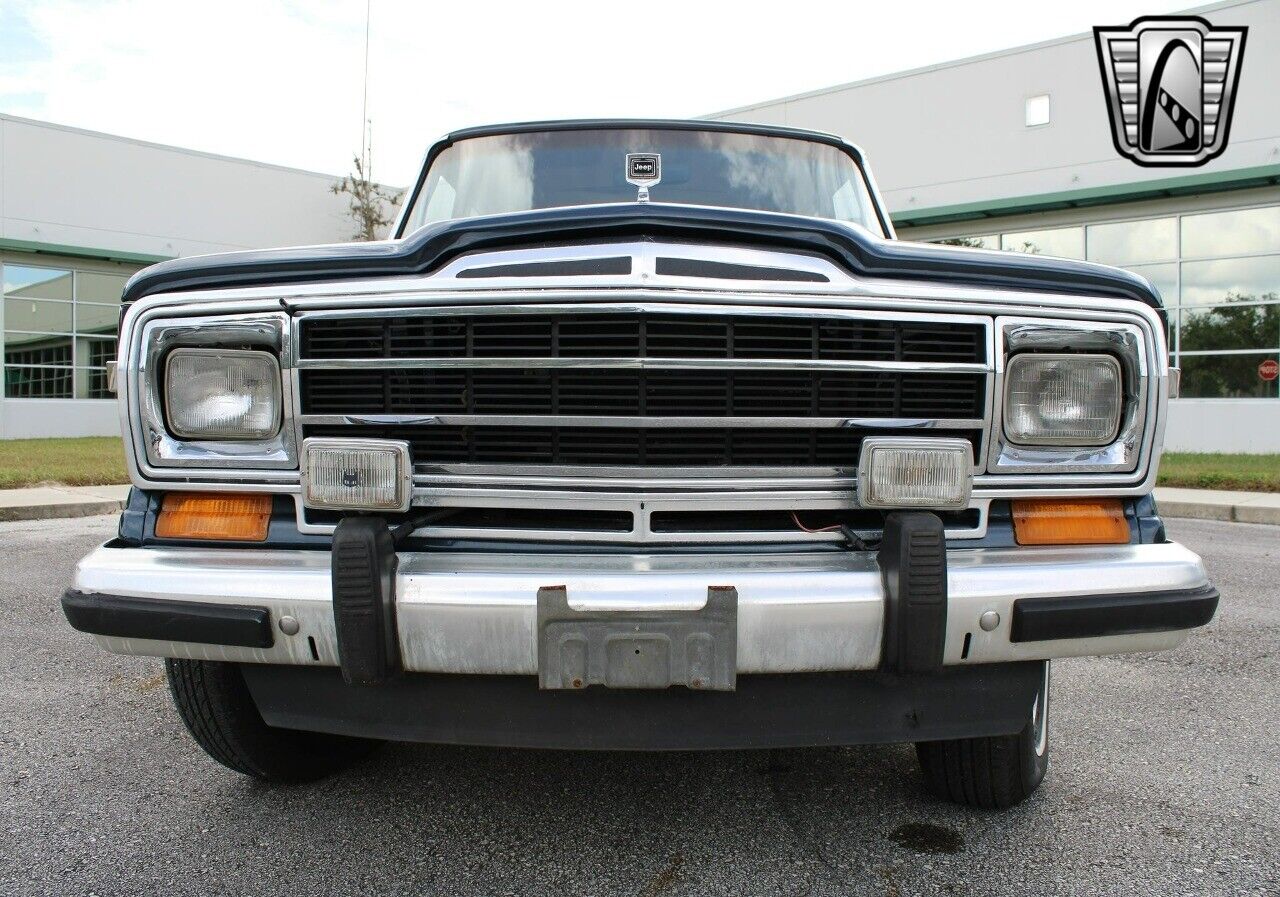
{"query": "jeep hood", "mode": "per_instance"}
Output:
(850, 247)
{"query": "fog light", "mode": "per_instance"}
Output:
(899, 472)
(356, 474)
(213, 515)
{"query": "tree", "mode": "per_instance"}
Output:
(977, 243)
(967, 242)
(371, 205)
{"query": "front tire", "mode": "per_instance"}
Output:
(219, 712)
(991, 773)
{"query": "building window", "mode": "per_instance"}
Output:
(1066, 242)
(98, 351)
(981, 241)
(59, 330)
(1163, 277)
(1037, 111)
(1227, 375)
(36, 368)
(1218, 273)
(1126, 243)
(1231, 233)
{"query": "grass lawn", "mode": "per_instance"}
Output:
(1254, 473)
(96, 461)
(91, 461)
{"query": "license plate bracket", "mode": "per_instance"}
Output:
(638, 649)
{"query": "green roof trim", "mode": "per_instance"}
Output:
(1204, 182)
(110, 255)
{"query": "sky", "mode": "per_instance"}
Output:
(284, 82)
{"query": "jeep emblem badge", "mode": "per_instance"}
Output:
(351, 478)
(1171, 86)
(644, 170)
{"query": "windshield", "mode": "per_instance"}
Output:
(546, 169)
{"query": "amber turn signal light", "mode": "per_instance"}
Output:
(210, 515)
(1084, 521)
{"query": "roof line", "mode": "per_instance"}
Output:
(71, 129)
(954, 63)
(110, 255)
(1203, 182)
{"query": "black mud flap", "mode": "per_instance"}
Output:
(638, 649)
(363, 567)
(913, 561)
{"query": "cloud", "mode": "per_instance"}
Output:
(282, 81)
(252, 79)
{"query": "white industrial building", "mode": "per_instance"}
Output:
(1010, 150)
(79, 213)
(1013, 150)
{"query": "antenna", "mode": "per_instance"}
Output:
(364, 105)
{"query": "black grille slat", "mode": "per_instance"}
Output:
(514, 337)
(354, 339)
(621, 447)
(788, 339)
(930, 344)
(424, 337)
(643, 393)
(859, 340)
(598, 336)
(636, 335)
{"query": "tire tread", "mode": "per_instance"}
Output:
(990, 773)
(217, 709)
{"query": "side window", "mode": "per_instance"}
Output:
(440, 203)
(846, 204)
(852, 202)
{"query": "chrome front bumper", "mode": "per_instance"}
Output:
(797, 612)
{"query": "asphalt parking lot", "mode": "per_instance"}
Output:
(1164, 779)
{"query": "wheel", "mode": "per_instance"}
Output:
(219, 712)
(995, 772)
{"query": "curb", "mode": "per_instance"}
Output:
(60, 510)
(1230, 513)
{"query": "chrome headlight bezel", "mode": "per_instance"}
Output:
(1126, 452)
(164, 448)
(1113, 417)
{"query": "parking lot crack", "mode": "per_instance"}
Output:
(776, 771)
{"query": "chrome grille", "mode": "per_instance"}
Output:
(585, 335)
(644, 393)
(651, 390)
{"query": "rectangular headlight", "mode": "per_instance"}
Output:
(1060, 399)
(222, 394)
(909, 472)
(356, 474)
